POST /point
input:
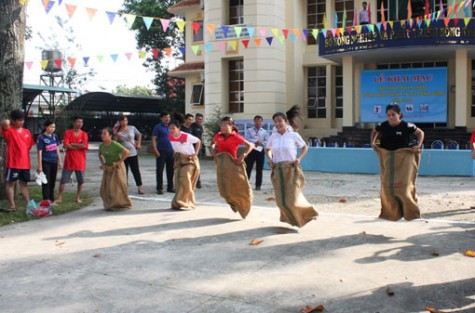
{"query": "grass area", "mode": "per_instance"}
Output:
(69, 204)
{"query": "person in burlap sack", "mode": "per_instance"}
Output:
(114, 190)
(187, 166)
(233, 184)
(399, 163)
(287, 176)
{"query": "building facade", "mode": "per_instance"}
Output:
(272, 60)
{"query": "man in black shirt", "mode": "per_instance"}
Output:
(186, 126)
(196, 129)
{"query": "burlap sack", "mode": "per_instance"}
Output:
(186, 176)
(233, 184)
(114, 190)
(398, 171)
(288, 181)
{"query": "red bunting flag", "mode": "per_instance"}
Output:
(369, 13)
(426, 8)
(155, 53)
(58, 62)
(383, 17)
(196, 27)
(245, 42)
(285, 32)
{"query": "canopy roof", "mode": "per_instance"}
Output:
(30, 92)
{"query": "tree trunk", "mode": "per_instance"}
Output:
(12, 54)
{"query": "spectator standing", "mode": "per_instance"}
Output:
(197, 131)
(19, 142)
(364, 14)
(186, 126)
(49, 158)
(125, 134)
(75, 143)
(163, 151)
(258, 136)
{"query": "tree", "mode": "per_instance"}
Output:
(134, 91)
(12, 52)
(156, 39)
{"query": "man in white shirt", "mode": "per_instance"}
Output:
(258, 136)
(364, 14)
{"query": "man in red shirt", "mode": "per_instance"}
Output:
(19, 142)
(76, 143)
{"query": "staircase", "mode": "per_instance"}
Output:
(357, 137)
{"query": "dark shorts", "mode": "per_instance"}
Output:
(66, 176)
(13, 174)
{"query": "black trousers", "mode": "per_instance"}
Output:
(50, 170)
(165, 160)
(258, 158)
(133, 163)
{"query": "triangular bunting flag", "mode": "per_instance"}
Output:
(196, 27)
(245, 42)
(59, 3)
(181, 25)
(72, 62)
(49, 6)
(168, 51)
(70, 8)
(85, 60)
(275, 32)
(128, 55)
(296, 31)
(446, 21)
(292, 37)
(130, 19)
(111, 16)
(281, 39)
(100, 58)
(22, 3)
(391, 24)
(258, 42)
(155, 53)
(456, 21)
(305, 34)
(182, 50)
(222, 46)
(208, 47)
(44, 64)
(165, 24)
(195, 48)
(262, 32)
(285, 32)
(333, 31)
(114, 57)
(315, 33)
(211, 29)
(269, 40)
(250, 31)
(58, 63)
(91, 13)
(29, 63)
(148, 21)
(467, 20)
(142, 54)
(233, 44)
(238, 30)
(225, 31)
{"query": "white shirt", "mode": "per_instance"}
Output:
(184, 143)
(253, 135)
(364, 16)
(284, 147)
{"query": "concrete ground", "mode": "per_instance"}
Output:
(154, 259)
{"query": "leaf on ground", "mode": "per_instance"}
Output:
(59, 243)
(312, 309)
(362, 233)
(469, 253)
(255, 242)
(433, 310)
(342, 200)
(270, 198)
(389, 292)
(97, 255)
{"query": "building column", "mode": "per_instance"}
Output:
(462, 87)
(348, 63)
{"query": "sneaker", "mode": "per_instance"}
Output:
(198, 185)
(159, 192)
(171, 190)
(258, 188)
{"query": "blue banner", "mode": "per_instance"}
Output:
(421, 94)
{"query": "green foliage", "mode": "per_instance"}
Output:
(213, 123)
(156, 38)
(134, 91)
(69, 204)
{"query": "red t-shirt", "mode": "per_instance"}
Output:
(229, 144)
(472, 140)
(18, 148)
(75, 160)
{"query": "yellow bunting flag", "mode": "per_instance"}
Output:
(91, 13)
(233, 44)
(275, 32)
(181, 25)
(70, 8)
(324, 20)
(44, 64)
(22, 2)
(195, 48)
(211, 29)
(391, 23)
(130, 19)
(142, 54)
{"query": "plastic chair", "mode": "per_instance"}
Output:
(452, 145)
(437, 144)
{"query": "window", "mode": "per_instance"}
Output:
(342, 6)
(397, 9)
(410, 65)
(316, 92)
(236, 86)
(236, 12)
(315, 13)
(197, 95)
(198, 36)
(339, 92)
